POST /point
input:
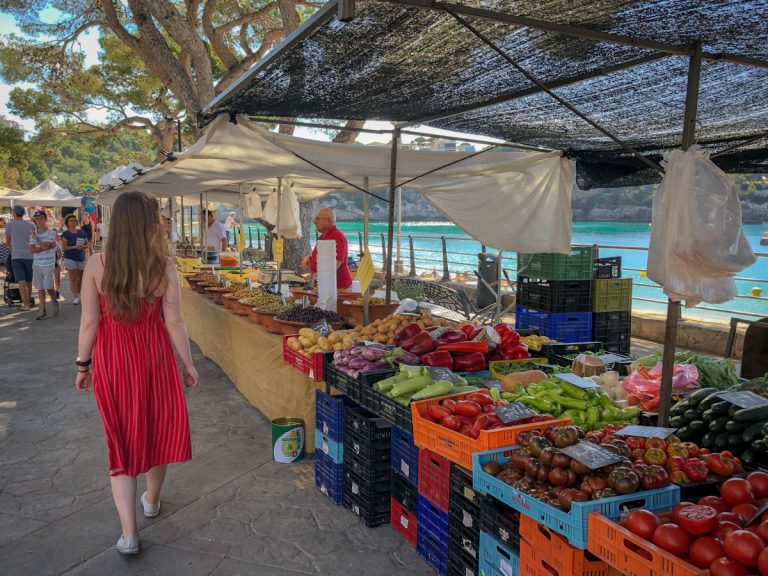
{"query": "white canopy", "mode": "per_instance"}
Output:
(515, 200)
(8, 196)
(48, 193)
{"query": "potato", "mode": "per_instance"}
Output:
(335, 337)
(358, 329)
(306, 332)
(380, 338)
(314, 349)
(305, 342)
(338, 346)
(294, 344)
(347, 342)
(324, 344)
(383, 329)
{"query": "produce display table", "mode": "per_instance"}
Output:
(253, 360)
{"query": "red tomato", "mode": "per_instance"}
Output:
(705, 550)
(672, 538)
(736, 490)
(715, 502)
(468, 408)
(697, 520)
(725, 528)
(759, 483)
(732, 517)
(762, 531)
(643, 523)
(726, 567)
(437, 413)
(676, 510)
(744, 547)
(451, 422)
(655, 443)
(745, 510)
(762, 562)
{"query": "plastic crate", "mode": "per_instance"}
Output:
(334, 450)
(312, 367)
(434, 478)
(495, 365)
(366, 424)
(464, 526)
(405, 455)
(367, 470)
(631, 554)
(573, 524)
(405, 493)
(335, 377)
(404, 521)
(329, 414)
(557, 350)
(372, 513)
(485, 569)
(369, 451)
(374, 491)
(461, 564)
(329, 477)
(382, 405)
(605, 268)
(432, 537)
(576, 266)
(457, 447)
(500, 558)
(501, 522)
(566, 327)
(555, 295)
(614, 295)
(613, 329)
(461, 485)
(560, 555)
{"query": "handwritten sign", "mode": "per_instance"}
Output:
(322, 327)
(744, 399)
(646, 431)
(365, 272)
(591, 455)
(441, 373)
(249, 283)
(577, 380)
(513, 412)
(277, 249)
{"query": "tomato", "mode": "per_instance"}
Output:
(437, 413)
(737, 519)
(721, 464)
(655, 443)
(482, 399)
(745, 510)
(643, 523)
(677, 450)
(726, 567)
(678, 477)
(697, 520)
(762, 562)
(451, 422)
(743, 546)
(672, 538)
(635, 442)
(655, 456)
(759, 483)
(715, 502)
(762, 531)
(736, 490)
(696, 469)
(693, 450)
(675, 463)
(705, 550)
(467, 408)
(676, 509)
(725, 528)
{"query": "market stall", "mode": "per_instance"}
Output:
(48, 194)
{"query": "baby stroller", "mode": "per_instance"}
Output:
(11, 294)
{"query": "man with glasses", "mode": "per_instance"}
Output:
(325, 223)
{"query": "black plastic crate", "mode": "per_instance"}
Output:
(372, 514)
(371, 451)
(394, 412)
(558, 352)
(405, 455)
(461, 485)
(461, 563)
(554, 295)
(405, 493)
(464, 526)
(369, 471)
(366, 424)
(379, 490)
(613, 329)
(617, 361)
(606, 268)
(329, 414)
(501, 522)
(335, 377)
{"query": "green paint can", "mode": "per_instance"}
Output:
(288, 440)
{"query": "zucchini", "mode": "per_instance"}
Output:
(679, 408)
(752, 414)
(706, 404)
(697, 397)
(708, 440)
(753, 432)
(748, 456)
(733, 426)
(697, 427)
(765, 429)
(735, 439)
(709, 416)
(677, 422)
(732, 410)
(721, 440)
(721, 408)
(719, 424)
(692, 414)
(684, 434)
(758, 446)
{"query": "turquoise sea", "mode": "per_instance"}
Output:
(427, 244)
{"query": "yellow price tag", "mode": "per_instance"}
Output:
(277, 249)
(365, 272)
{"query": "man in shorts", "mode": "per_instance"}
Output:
(17, 234)
(43, 245)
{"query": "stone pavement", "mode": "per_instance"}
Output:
(230, 511)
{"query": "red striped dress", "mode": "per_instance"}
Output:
(139, 393)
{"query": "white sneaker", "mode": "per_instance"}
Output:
(76, 301)
(150, 510)
(128, 545)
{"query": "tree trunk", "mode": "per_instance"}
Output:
(295, 250)
(349, 136)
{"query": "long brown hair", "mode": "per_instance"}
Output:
(136, 255)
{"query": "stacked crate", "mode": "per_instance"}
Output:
(405, 478)
(463, 524)
(432, 513)
(554, 294)
(367, 460)
(499, 538)
(329, 445)
(611, 306)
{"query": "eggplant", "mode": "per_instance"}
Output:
(373, 353)
(375, 367)
(357, 363)
(408, 359)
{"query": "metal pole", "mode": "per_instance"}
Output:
(250, 237)
(258, 239)
(203, 251)
(446, 273)
(237, 240)
(498, 288)
(205, 236)
(366, 216)
(399, 261)
(182, 220)
(673, 308)
(390, 231)
(360, 243)
(277, 232)
(413, 258)
(383, 252)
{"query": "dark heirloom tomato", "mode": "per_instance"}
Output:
(623, 480)
(705, 550)
(537, 444)
(592, 484)
(643, 523)
(655, 477)
(672, 538)
(570, 495)
(565, 436)
(697, 520)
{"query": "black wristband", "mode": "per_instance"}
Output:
(83, 363)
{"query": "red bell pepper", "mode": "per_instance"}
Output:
(470, 331)
(450, 337)
(474, 362)
(438, 358)
(515, 351)
(419, 344)
(508, 336)
(466, 347)
(409, 331)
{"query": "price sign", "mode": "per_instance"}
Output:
(277, 249)
(646, 431)
(577, 380)
(591, 455)
(322, 327)
(744, 399)
(250, 285)
(365, 272)
(441, 373)
(513, 412)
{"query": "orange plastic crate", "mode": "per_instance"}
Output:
(534, 562)
(457, 447)
(312, 367)
(632, 555)
(560, 555)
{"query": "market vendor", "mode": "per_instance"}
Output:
(325, 223)
(216, 237)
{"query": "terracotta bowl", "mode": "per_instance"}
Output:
(375, 312)
(229, 301)
(253, 316)
(299, 293)
(288, 328)
(268, 320)
(216, 293)
(192, 281)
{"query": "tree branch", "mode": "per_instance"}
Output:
(216, 36)
(270, 39)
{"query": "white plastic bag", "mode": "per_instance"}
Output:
(290, 219)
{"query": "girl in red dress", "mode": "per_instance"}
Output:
(131, 321)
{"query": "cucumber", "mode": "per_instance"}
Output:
(721, 440)
(765, 429)
(708, 440)
(684, 433)
(697, 397)
(719, 424)
(709, 416)
(706, 404)
(752, 432)
(748, 456)
(735, 439)
(758, 446)
(698, 427)
(732, 410)
(677, 422)
(679, 408)
(692, 414)
(721, 408)
(752, 414)
(733, 426)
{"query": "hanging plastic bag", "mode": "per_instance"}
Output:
(643, 386)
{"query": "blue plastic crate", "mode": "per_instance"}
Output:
(497, 557)
(573, 524)
(329, 414)
(329, 477)
(335, 450)
(485, 569)
(432, 538)
(565, 327)
(405, 455)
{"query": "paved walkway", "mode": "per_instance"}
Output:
(230, 511)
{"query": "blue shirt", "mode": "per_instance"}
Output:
(71, 239)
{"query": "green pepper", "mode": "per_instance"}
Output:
(539, 403)
(605, 400)
(495, 393)
(573, 391)
(567, 402)
(629, 413)
(575, 416)
(592, 415)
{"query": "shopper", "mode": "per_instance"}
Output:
(216, 237)
(42, 244)
(87, 227)
(230, 223)
(17, 235)
(131, 316)
(325, 223)
(74, 243)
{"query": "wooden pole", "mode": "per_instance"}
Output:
(391, 219)
(366, 216)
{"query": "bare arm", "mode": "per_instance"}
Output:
(90, 317)
(174, 323)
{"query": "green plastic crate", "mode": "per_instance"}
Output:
(577, 266)
(612, 295)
